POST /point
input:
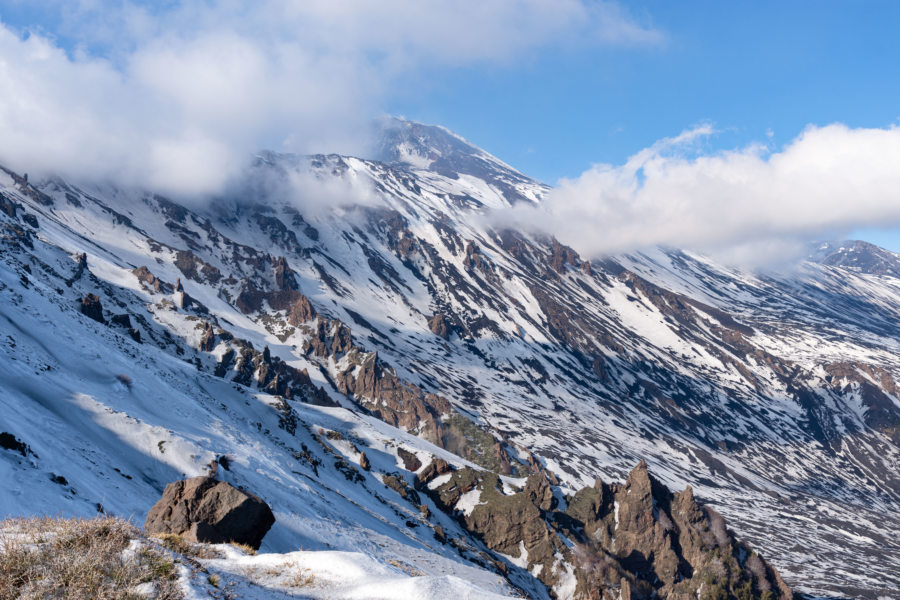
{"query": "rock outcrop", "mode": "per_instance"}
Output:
(632, 541)
(439, 326)
(393, 400)
(152, 282)
(270, 373)
(202, 509)
(79, 269)
(91, 307)
(435, 469)
(662, 545)
(208, 341)
(411, 462)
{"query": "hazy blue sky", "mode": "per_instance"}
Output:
(757, 71)
(749, 68)
(552, 87)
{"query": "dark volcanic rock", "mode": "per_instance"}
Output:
(435, 468)
(330, 338)
(194, 268)
(79, 269)
(205, 510)
(394, 400)
(411, 462)
(664, 545)
(208, 341)
(561, 256)
(284, 275)
(631, 541)
(8, 206)
(10, 442)
(91, 307)
(301, 310)
(439, 326)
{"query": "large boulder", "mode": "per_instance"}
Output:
(202, 509)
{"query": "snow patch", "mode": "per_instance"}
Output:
(468, 501)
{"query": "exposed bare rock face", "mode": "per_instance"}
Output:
(152, 282)
(208, 341)
(284, 275)
(473, 258)
(301, 310)
(331, 338)
(393, 400)
(411, 462)
(8, 206)
(435, 468)
(563, 255)
(10, 442)
(79, 269)
(243, 364)
(205, 510)
(874, 386)
(666, 545)
(281, 293)
(91, 307)
(196, 269)
(439, 326)
(633, 541)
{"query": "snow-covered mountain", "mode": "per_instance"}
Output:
(330, 306)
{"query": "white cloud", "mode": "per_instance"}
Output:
(738, 203)
(177, 98)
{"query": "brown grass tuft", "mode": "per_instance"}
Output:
(179, 545)
(249, 550)
(80, 559)
(302, 578)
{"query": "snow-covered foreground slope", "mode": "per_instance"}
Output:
(773, 396)
(328, 575)
(108, 557)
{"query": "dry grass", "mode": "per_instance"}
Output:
(302, 578)
(249, 550)
(179, 545)
(408, 569)
(80, 559)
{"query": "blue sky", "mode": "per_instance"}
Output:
(173, 93)
(749, 68)
(758, 71)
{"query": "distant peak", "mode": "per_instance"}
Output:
(858, 256)
(437, 149)
(420, 145)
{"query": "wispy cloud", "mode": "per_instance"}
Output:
(745, 202)
(175, 98)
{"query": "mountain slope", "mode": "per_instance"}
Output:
(773, 397)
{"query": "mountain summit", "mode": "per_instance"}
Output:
(439, 150)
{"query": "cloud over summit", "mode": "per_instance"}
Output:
(176, 98)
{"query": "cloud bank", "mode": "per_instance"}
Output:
(739, 203)
(175, 96)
